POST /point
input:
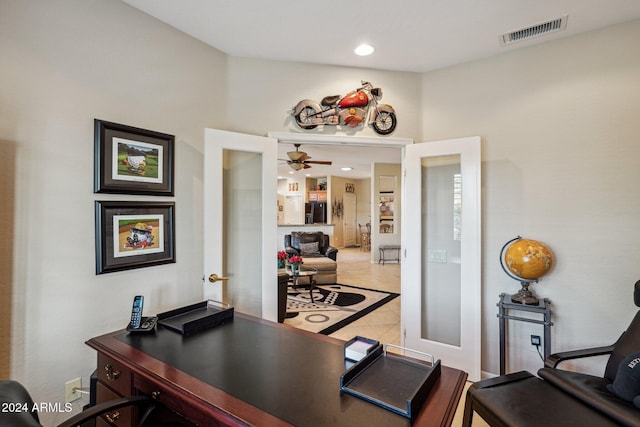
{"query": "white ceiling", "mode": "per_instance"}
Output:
(409, 35)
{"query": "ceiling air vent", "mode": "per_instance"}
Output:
(558, 24)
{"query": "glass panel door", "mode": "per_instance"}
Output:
(240, 222)
(242, 226)
(441, 245)
(441, 281)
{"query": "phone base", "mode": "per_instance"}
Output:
(147, 326)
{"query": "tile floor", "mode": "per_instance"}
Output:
(383, 324)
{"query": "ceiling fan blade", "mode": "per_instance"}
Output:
(306, 166)
(319, 162)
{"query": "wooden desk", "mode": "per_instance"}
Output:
(252, 372)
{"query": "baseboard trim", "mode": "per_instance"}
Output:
(485, 375)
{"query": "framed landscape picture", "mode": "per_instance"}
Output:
(131, 160)
(134, 235)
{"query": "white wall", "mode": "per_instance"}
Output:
(560, 156)
(264, 93)
(63, 64)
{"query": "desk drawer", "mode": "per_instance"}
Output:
(122, 417)
(174, 409)
(114, 375)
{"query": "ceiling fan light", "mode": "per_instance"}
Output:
(296, 155)
(296, 166)
(346, 168)
(364, 50)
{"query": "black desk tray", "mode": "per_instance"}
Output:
(396, 383)
(196, 317)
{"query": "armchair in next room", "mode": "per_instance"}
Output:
(309, 244)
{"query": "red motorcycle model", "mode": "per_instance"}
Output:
(359, 106)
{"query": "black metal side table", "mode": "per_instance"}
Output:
(383, 250)
(505, 306)
(310, 273)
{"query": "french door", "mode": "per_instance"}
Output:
(240, 217)
(441, 237)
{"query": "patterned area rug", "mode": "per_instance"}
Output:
(333, 306)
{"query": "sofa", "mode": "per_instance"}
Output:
(316, 252)
(309, 244)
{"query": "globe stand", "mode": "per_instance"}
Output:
(525, 296)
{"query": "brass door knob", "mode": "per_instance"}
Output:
(214, 278)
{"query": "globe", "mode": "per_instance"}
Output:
(525, 260)
(528, 259)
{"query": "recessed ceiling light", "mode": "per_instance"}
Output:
(347, 168)
(364, 49)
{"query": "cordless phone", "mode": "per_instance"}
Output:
(136, 312)
(139, 324)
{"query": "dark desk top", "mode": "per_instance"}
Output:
(291, 374)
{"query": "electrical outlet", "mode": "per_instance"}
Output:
(72, 390)
(535, 342)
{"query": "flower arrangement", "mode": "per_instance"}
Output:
(282, 256)
(295, 260)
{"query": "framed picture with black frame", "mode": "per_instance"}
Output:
(130, 160)
(134, 235)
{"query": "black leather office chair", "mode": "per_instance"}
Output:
(560, 397)
(12, 392)
(629, 342)
(591, 389)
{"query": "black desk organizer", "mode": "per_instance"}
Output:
(396, 383)
(196, 317)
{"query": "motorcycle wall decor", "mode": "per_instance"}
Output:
(358, 107)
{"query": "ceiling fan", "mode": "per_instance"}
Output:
(300, 160)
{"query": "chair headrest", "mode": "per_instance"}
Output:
(636, 293)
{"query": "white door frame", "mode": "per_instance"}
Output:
(316, 139)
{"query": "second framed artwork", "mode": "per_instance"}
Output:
(134, 235)
(130, 160)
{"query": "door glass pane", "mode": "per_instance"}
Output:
(441, 242)
(242, 257)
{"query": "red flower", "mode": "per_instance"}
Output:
(295, 260)
(282, 255)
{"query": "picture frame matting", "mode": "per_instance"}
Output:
(133, 235)
(130, 160)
